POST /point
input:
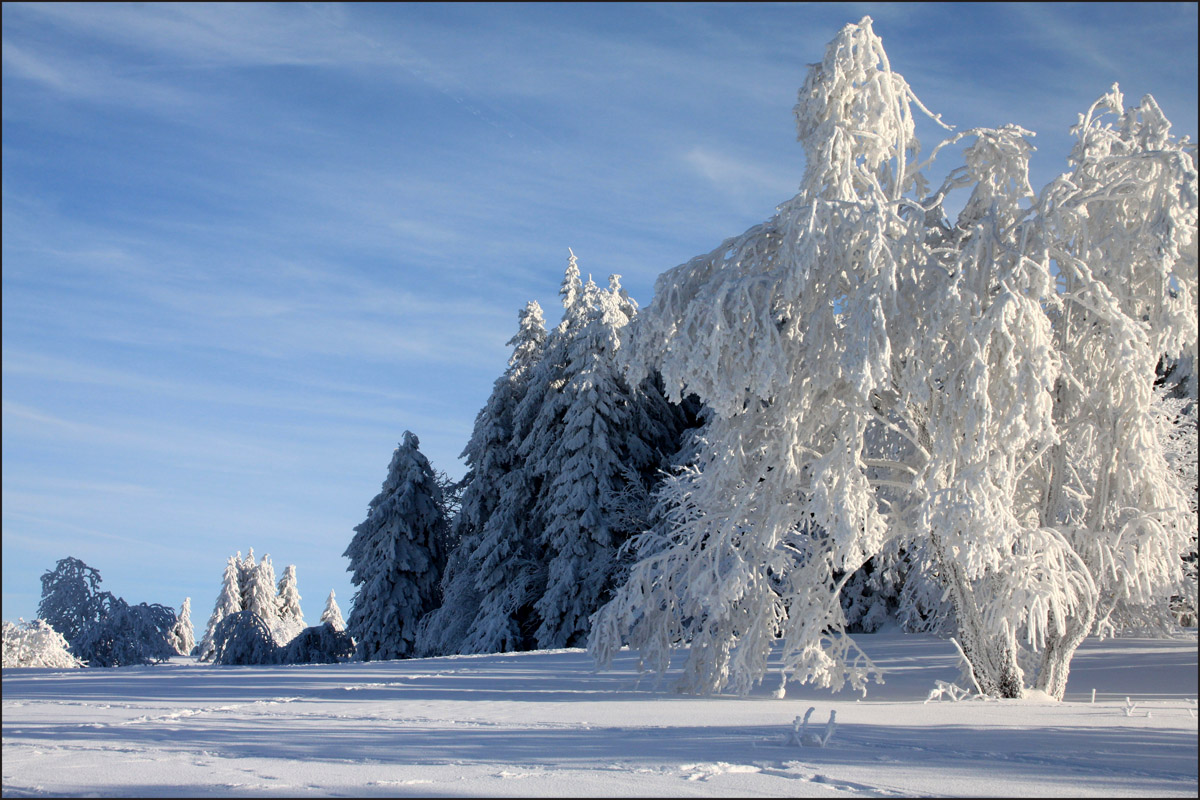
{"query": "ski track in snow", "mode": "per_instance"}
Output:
(546, 724)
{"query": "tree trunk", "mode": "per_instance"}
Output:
(1056, 660)
(992, 655)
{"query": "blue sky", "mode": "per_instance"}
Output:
(246, 247)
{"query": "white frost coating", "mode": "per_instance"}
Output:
(332, 614)
(290, 621)
(229, 601)
(36, 644)
(183, 636)
(979, 392)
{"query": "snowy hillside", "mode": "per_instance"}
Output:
(546, 724)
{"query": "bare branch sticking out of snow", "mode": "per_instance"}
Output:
(800, 734)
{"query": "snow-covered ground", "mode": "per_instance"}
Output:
(547, 724)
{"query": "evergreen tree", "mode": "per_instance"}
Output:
(396, 557)
(260, 591)
(604, 444)
(332, 614)
(488, 583)
(244, 639)
(229, 601)
(183, 637)
(246, 568)
(290, 619)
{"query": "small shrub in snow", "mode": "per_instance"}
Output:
(243, 638)
(320, 644)
(36, 644)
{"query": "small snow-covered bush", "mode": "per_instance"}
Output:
(320, 644)
(36, 644)
(244, 638)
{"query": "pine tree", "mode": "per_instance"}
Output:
(183, 637)
(260, 591)
(290, 619)
(590, 447)
(246, 567)
(229, 601)
(487, 586)
(396, 557)
(332, 614)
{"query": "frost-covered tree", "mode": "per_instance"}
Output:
(260, 589)
(244, 638)
(229, 601)
(290, 619)
(246, 568)
(396, 557)
(36, 644)
(332, 614)
(489, 584)
(592, 445)
(71, 598)
(977, 393)
(486, 579)
(128, 635)
(320, 644)
(183, 636)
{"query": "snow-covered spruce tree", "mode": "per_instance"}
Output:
(260, 589)
(290, 619)
(486, 578)
(246, 567)
(878, 377)
(592, 446)
(332, 614)
(36, 644)
(71, 598)
(229, 601)
(183, 636)
(244, 638)
(396, 557)
(504, 563)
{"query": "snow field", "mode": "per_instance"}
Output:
(547, 724)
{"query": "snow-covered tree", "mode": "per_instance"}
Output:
(876, 377)
(589, 449)
(290, 619)
(229, 601)
(320, 644)
(332, 614)
(246, 568)
(36, 644)
(244, 638)
(183, 636)
(488, 586)
(260, 588)
(71, 598)
(127, 635)
(396, 557)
